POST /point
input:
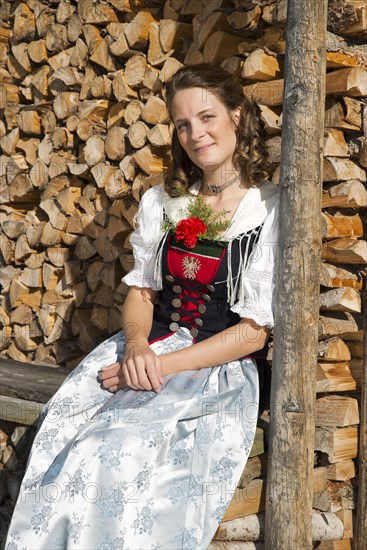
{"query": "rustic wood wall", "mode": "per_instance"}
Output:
(84, 132)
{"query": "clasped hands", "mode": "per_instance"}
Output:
(140, 369)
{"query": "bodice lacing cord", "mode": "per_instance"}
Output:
(193, 320)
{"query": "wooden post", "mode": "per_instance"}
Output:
(291, 449)
(361, 526)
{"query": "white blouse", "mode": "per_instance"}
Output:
(254, 297)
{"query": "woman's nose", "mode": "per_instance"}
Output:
(197, 131)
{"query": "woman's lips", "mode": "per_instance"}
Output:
(203, 148)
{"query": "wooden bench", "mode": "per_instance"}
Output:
(25, 388)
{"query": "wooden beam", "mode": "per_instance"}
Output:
(19, 410)
(361, 526)
(289, 491)
(30, 381)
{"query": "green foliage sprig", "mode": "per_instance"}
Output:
(197, 208)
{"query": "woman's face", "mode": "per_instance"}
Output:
(206, 130)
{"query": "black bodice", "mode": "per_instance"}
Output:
(195, 287)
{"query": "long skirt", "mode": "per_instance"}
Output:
(137, 469)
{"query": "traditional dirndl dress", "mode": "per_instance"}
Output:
(139, 470)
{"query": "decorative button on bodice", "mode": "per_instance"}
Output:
(191, 292)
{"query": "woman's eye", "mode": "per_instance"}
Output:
(207, 117)
(181, 126)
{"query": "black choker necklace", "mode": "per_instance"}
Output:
(216, 189)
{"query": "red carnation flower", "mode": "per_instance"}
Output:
(189, 230)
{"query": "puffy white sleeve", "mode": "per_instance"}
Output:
(258, 279)
(145, 239)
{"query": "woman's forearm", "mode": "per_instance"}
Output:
(232, 343)
(137, 314)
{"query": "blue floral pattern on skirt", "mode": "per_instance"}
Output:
(137, 470)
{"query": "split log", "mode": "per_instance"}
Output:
(156, 54)
(155, 111)
(246, 501)
(335, 497)
(174, 34)
(335, 276)
(216, 21)
(275, 14)
(341, 299)
(100, 13)
(194, 55)
(335, 410)
(244, 20)
(115, 143)
(338, 323)
(160, 135)
(261, 66)
(135, 71)
(220, 45)
(94, 150)
(360, 25)
(337, 169)
(271, 119)
(338, 443)
(169, 68)
(137, 31)
(335, 116)
(148, 161)
(137, 134)
(331, 377)
(335, 144)
(346, 516)
(339, 225)
(333, 349)
(341, 471)
(345, 251)
(233, 65)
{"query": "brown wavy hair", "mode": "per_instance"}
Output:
(250, 156)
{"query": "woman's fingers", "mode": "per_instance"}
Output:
(143, 371)
(111, 377)
(108, 371)
(126, 374)
(153, 379)
(158, 364)
(138, 371)
(155, 375)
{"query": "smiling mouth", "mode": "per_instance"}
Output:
(203, 148)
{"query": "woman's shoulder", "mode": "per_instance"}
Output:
(154, 193)
(268, 189)
(269, 195)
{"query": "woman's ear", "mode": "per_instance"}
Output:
(236, 115)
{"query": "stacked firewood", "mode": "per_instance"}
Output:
(85, 131)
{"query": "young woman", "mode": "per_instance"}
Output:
(144, 443)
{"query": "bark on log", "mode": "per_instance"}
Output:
(292, 426)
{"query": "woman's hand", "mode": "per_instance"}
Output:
(140, 369)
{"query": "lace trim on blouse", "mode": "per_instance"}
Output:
(259, 276)
(263, 316)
